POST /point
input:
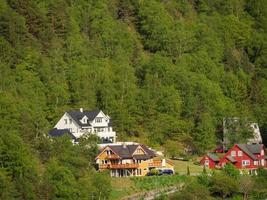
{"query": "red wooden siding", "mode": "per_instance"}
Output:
(212, 163)
(239, 159)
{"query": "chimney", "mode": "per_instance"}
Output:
(81, 110)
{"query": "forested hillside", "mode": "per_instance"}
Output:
(166, 71)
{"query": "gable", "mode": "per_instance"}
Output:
(139, 151)
(245, 152)
(84, 120)
(61, 122)
(103, 153)
(104, 118)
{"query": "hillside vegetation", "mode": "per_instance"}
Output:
(166, 71)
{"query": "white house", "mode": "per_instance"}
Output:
(78, 123)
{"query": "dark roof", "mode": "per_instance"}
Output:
(213, 156)
(251, 149)
(230, 158)
(77, 115)
(60, 132)
(126, 151)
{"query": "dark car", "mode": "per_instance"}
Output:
(167, 172)
(160, 172)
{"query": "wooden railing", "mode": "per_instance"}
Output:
(119, 166)
(158, 163)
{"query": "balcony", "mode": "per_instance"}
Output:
(119, 166)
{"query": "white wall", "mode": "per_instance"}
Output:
(104, 123)
(73, 126)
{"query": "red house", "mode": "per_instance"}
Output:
(210, 161)
(245, 156)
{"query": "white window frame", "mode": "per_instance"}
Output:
(233, 153)
(207, 162)
(245, 163)
(65, 121)
(240, 153)
(98, 119)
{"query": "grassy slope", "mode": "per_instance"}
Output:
(180, 167)
(122, 187)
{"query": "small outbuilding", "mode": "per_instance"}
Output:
(210, 160)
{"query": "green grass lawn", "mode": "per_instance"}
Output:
(180, 167)
(122, 187)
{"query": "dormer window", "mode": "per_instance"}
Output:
(84, 120)
(98, 119)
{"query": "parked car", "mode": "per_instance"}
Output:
(167, 172)
(160, 172)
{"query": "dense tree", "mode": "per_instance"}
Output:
(167, 72)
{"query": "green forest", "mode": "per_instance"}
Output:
(166, 71)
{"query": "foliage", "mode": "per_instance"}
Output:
(153, 182)
(223, 186)
(230, 170)
(193, 190)
(167, 72)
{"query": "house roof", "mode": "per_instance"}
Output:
(251, 149)
(213, 156)
(60, 132)
(126, 151)
(77, 115)
(231, 159)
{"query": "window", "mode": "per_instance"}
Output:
(70, 121)
(207, 162)
(139, 151)
(109, 152)
(233, 153)
(104, 162)
(240, 153)
(255, 162)
(66, 121)
(98, 119)
(245, 162)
